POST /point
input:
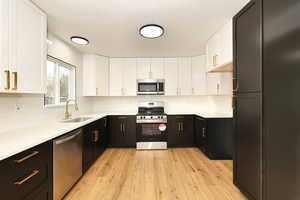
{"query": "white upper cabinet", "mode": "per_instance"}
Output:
(219, 83)
(129, 77)
(4, 43)
(157, 68)
(226, 85)
(226, 41)
(150, 68)
(185, 76)
(116, 77)
(213, 83)
(171, 76)
(123, 77)
(199, 75)
(95, 75)
(219, 48)
(143, 68)
(27, 27)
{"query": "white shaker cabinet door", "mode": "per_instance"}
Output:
(29, 53)
(4, 43)
(95, 75)
(171, 77)
(143, 68)
(226, 55)
(185, 76)
(89, 75)
(157, 68)
(213, 83)
(199, 75)
(116, 77)
(226, 83)
(101, 76)
(129, 77)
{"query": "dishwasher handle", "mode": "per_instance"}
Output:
(67, 138)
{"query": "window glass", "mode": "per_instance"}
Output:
(61, 84)
(64, 83)
(51, 83)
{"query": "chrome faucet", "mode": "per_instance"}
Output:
(67, 113)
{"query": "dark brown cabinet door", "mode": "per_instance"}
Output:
(247, 48)
(248, 142)
(88, 148)
(180, 131)
(200, 131)
(116, 134)
(282, 99)
(130, 131)
(122, 131)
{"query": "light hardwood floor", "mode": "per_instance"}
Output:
(183, 173)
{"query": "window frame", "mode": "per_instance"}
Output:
(73, 69)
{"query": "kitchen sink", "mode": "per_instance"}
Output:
(76, 120)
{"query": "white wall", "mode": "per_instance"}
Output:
(175, 104)
(23, 110)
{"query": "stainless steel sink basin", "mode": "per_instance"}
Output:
(76, 120)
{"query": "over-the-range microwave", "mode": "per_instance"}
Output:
(150, 87)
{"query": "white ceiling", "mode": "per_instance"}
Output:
(112, 25)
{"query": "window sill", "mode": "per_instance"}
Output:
(58, 105)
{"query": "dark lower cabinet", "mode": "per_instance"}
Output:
(218, 142)
(122, 131)
(181, 131)
(94, 142)
(27, 175)
(248, 141)
(214, 137)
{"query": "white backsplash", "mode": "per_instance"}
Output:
(176, 104)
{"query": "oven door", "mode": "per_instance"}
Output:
(152, 132)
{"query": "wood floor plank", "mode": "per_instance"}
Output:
(173, 174)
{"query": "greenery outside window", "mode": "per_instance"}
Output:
(60, 83)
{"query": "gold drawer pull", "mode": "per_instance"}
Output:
(15, 75)
(7, 75)
(27, 157)
(35, 172)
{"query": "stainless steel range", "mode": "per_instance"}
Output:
(151, 126)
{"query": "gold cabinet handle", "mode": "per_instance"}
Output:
(34, 173)
(181, 126)
(27, 157)
(7, 75)
(215, 63)
(96, 91)
(15, 75)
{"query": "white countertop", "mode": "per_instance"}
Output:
(204, 114)
(20, 139)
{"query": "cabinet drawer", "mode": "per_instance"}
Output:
(22, 174)
(29, 159)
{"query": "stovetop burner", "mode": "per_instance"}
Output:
(151, 112)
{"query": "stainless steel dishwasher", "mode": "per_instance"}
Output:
(67, 162)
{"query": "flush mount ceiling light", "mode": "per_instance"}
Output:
(151, 31)
(80, 40)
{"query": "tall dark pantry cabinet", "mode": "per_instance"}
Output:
(267, 100)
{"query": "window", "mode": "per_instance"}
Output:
(60, 82)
